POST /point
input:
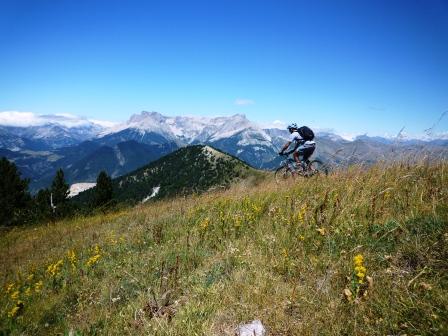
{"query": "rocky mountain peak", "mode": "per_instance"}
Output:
(145, 116)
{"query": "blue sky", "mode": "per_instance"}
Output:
(353, 66)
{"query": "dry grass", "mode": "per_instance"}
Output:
(202, 265)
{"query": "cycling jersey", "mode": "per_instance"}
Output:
(295, 137)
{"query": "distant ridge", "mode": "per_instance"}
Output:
(89, 148)
(191, 169)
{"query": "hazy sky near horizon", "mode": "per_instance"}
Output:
(353, 66)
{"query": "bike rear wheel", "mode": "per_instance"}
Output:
(283, 174)
(317, 167)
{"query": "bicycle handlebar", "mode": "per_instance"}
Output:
(286, 153)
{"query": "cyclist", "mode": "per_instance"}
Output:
(303, 139)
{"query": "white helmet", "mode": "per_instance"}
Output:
(292, 126)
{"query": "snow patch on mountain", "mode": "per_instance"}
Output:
(144, 122)
(226, 127)
(119, 156)
(189, 129)
(77, 188)
(155, 191)
(252, 137)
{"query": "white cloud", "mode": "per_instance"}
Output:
(348, 136)
(244, 102)
(26, 119)
(15, 118)
(104, 123)
(279, 124)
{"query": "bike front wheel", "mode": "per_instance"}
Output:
(317, 167)
(283, 174)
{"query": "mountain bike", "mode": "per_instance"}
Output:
(289, 169)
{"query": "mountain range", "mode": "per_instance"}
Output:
(83, 150)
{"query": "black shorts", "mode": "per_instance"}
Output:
(306, 152)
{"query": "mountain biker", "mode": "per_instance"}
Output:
(304, 143)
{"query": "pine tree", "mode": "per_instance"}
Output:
(42, 207)
(103, 189)
(14, 196)
(59, 192)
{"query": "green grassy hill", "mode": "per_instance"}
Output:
(355, 253)
(192, 169)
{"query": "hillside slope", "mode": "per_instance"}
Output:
(185, 171)
(360, 252)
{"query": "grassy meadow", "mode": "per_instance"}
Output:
(360, 252)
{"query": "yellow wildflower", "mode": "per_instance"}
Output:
(96, 249)
(112, 238)
(93, 260)
(285, 253)
(30, 277)
(71, 255)
(97, 255)
(204, 224)
(256, 208)
(54, 269)
(360, 270)
(9, 287)
(238, 221)
(358, 259)
(15, 295)
(28, 291)
(301, 237)
(358, 277)
(301, 214)
(38, 286)
(322, 231)
(15, 310)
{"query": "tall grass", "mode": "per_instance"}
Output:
(282, 254)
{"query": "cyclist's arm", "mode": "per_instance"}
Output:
(285, 147)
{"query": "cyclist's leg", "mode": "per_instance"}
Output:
(306, 152)
(296, 157)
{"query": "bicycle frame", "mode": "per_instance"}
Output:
(288, 166)
(289, 162)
